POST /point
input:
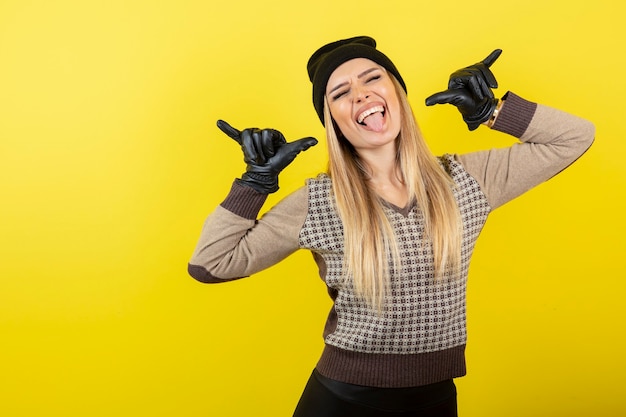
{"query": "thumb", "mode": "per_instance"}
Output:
(300, 145)
(288, 152)
(442, 97)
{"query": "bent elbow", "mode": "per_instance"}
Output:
(201, 274)
(590, 134)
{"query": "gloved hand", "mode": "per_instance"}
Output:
(469, 89)
(266, 152)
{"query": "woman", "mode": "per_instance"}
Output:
(391, 227)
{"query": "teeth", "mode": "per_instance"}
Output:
(367, 112)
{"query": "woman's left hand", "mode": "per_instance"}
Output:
(469, 89)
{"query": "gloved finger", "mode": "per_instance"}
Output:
(485, 89)
(463, 77)
(249, 146)
(475, 85)
(460, 78)
(486, 72)
(303, 144)
(488, 76)
(294, 148)
(277, 137)
(259, 146)
(492, 58)
(268, 142)
(442, 97)
(289, 151)
(273, 139)
(462, 98)
(478, 78)
(229, 130)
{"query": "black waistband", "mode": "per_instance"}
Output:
(390, 398)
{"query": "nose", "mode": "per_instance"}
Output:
(361, 94)
(361, 97)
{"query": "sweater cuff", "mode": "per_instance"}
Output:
(244, 201)
(515, 116)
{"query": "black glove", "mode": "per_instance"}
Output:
(469, 89)
(266, 152)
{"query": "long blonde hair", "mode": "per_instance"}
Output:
(371, 252)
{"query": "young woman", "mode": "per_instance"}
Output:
(391, 227)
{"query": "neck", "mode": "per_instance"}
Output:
(381, 164)
(385, 175)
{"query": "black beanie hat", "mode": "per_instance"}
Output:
(326, 59)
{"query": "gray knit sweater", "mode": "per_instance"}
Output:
(420, 336)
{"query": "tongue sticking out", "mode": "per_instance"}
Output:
(374, 121)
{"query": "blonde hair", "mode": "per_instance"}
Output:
(371, 252)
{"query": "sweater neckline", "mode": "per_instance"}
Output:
(404, 211)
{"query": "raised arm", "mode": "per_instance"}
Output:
(233, 244)
(551, 140)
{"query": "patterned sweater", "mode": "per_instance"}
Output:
(420, 336)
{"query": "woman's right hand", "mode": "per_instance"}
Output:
(266, 153)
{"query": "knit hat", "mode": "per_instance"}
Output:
(326, 59)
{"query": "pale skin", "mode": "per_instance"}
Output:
(355, 88)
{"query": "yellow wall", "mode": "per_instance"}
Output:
(110, 161)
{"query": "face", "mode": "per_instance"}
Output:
(363, 102)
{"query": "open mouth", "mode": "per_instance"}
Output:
(372, 118)
(369, 112)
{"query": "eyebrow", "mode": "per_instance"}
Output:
(361, 75)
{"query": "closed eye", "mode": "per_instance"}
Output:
(339, 94)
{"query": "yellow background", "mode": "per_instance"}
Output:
(110, 160)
